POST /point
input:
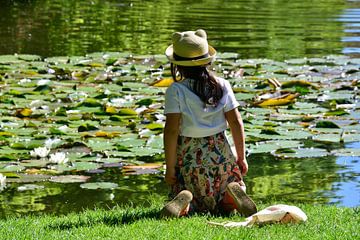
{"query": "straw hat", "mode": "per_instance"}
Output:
(190, 49)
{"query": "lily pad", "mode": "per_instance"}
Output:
(69, 179)
(303, 153)
(99, 185)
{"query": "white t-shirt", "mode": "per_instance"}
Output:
(198, 119)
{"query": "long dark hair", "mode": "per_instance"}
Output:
(203, 82)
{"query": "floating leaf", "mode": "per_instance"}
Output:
(140, 171)
(269, 131)
(82, 166)
(155, 126)
(69, 179)
(11, 175)
(99, 185)
(338, 112)
(145, 102)
(91, 102)
(145, 165)
(283, 100)
(127, 112)
(300, 83)
(110, 110)
(106, 134)
(326, 124)
(87, 127)
(25, 112)
(346, 152)
(28, 178)
(334, 138)
(12, 168)
(303, 153)
(165, 82)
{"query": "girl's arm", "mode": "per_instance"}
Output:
(171, 133)
(233, 117)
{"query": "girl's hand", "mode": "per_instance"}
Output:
(243, 166)
(170, 177)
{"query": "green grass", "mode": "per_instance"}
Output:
(324, 222)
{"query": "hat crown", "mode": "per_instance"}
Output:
(190, 44)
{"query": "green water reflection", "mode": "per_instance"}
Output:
(273, 29)
(309, 180)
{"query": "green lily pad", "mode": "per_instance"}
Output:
(326, 124)
(83, 166)
(12, 168)
(303, 153)
(269, 146)
(99, 185)
(346, 152)
(28, 178)
(34, 163)
(127, 112)
(334, 138)
(69, 179)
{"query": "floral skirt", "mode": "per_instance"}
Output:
(204, 167)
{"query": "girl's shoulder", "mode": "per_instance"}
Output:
(225, 84)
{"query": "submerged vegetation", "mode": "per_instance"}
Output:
(64, 119)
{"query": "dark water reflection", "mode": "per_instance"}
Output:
(255, 29)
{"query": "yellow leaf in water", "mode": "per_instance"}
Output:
(41, 171)
(106, 134)
(25, 112)
(282, 100)
(145, 165)
(95, 64)
(165, 82)
(110, 110)
(7, 134)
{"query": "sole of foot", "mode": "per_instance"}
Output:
(244, 204)
(177, 206)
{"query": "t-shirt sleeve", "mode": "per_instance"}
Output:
(231, 101)
(172, 104)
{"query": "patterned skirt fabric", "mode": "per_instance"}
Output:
(204, 167)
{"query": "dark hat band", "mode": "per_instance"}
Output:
(178, 58)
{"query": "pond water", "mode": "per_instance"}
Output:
(276, 30)
(254, 29)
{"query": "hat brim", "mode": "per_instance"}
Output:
(189, 63)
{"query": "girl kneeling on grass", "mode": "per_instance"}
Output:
(201, 168)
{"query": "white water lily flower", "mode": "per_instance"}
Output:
(49, 143)
(118, 102)
(160, 116)
(78, 96)
(36, 103)
(40, 152)
(58, 157)
(64, 128)
(24, 80)
(2, 181)
(43, 82)
(107, 92)
(140, 109)
(73, 112)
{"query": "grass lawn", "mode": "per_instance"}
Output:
(324, 222)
